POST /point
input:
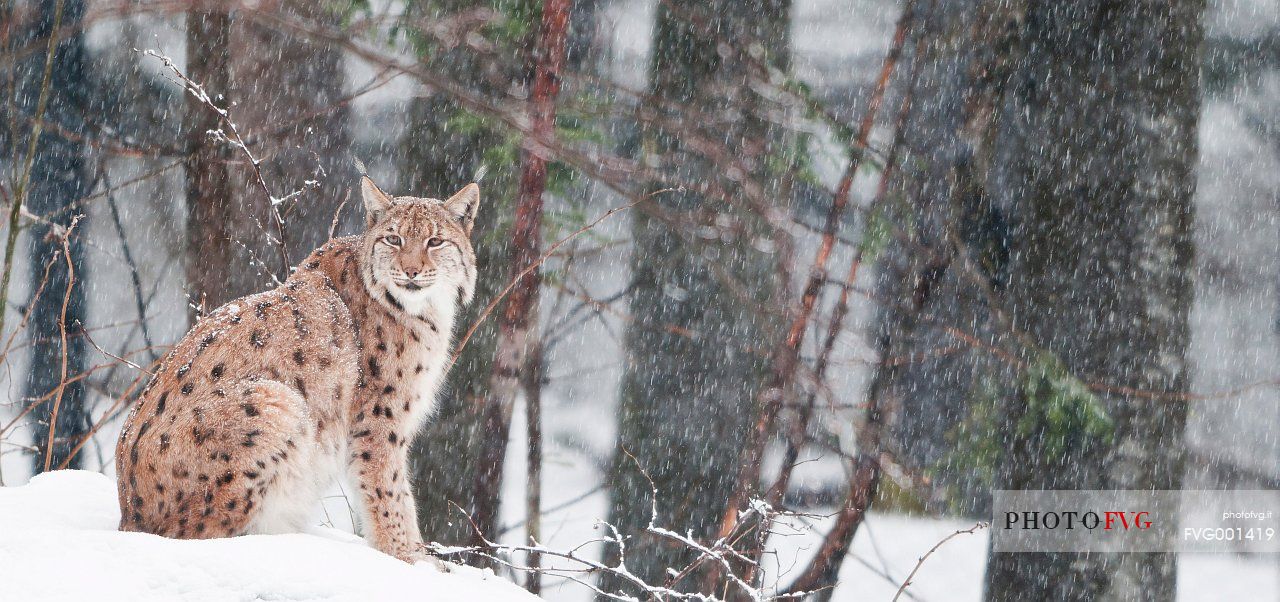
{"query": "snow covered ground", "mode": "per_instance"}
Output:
(58, 541)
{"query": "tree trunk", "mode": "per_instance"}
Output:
(210, 251)
(963, 66)
(1102, 156)
(59, 178)
(518, 322)
(688, 402)
(284, 94)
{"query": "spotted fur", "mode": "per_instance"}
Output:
(268, 398)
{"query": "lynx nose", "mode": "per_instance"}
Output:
(411, 273)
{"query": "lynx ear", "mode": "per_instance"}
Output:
(376, 202)
(463, 206)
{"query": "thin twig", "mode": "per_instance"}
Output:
(62, 333)
(236, 140)
(912, 574)
(337, 214)
(112, 355)
(488, 309)
(128, 255)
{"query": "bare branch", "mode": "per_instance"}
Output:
(237, 141)
(65, 235)
(488, 309)
(912, 574)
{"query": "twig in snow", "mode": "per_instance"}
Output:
(719, 552)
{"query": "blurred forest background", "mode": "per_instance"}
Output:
(819, 274)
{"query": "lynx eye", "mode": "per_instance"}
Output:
(435, 242)
(393, 240)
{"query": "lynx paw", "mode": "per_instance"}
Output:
(420, 553)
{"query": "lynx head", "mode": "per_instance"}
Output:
(418, 250)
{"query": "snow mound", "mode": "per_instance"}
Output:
(58, 541)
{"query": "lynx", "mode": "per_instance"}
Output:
(270, 397)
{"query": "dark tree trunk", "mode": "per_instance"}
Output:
(516, 361)
(210, 250)
(518, 322)
(284, 92)
(59, 178)
(963, 70)
(1102, 155)
(688, 402)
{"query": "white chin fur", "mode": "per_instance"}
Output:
(416, 302)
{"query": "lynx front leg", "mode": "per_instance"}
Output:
(378, 467)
